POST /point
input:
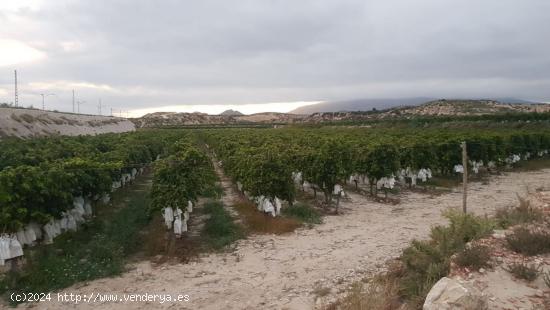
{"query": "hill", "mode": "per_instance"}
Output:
(162, 119)
(383, 104)
(459, 107)
(442, 107)
(359, 105)
(231, 113)
(25, 123)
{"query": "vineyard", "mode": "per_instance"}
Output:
(270, 164)
(52, 186)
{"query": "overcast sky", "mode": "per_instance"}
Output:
(259, 55)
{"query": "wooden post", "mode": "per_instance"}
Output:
(464, 176)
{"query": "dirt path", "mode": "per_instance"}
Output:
(229, 195)
(283, 272)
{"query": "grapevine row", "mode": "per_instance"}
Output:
(268, 163)
(48, 185)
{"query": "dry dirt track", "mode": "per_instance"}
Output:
(281, 272)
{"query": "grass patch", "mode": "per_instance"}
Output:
(380, 293)
(533, 164)
(474, 257)
(524, 271)
(442, 181)
(523, 213)
(219, 229)
(304, 213)
(258, 222)
(98, 249)
(321, 291)
(529, 241)
(215, 192)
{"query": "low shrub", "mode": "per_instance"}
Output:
(523, 213)
(546, 277)
(304, 213)
(524, 271)
(219, 229)
(474, 257)
(528, 241)
(425, 262)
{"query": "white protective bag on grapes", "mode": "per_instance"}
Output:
(71, 223)
(168, 214)
(268, 207)
(63, 222)
(105, 198)
(177, 221)
(49, 232)
(278, 206)
(16, 249)
(5, 253)
(88, 211)
(20, 235)
(184, 225)
(30, 235)
(37, 230)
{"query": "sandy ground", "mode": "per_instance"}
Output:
(28, 123)
(506, 292)
(285, 272)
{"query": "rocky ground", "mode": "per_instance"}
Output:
(309, 267)
(501, 289)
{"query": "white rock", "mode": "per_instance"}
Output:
(499, 234)
(449, 294)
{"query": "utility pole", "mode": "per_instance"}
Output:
(78, 105)
(16, 99)
(464, 176)
(44, 95)
(73, 100)
(111, 112)
(99, 106)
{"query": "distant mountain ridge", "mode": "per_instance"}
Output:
(440, 107)
(381, 104)
(360, 105)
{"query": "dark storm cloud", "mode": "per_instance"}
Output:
(139, 54)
